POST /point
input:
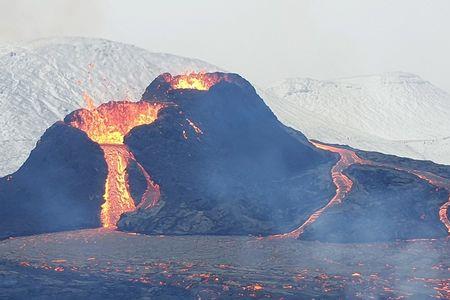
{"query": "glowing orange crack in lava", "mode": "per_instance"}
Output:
(344, 185)
(107, 125)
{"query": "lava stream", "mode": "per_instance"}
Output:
(117, 195)
(341, 181)
(152, 193)
(344, 185)
(435, 180)
(107, 125)
(443, 214)
(118, 199)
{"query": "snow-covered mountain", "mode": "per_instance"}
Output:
(42, 81)
(395, 113)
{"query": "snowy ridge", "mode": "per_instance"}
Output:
(396, 113)
(43, 80)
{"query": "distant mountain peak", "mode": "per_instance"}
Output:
(395, 112)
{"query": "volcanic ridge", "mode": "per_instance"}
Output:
(203, 154)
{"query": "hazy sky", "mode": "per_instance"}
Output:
(263, 40)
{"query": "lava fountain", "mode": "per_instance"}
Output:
(107, 125)
(195, 81)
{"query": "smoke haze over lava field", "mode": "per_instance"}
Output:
(213, 150)
(201, 154)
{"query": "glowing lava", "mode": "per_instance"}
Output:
(107, 125)
(344, 185)
(443, 214)
(110, 122)
(341, 181)
(195, 81)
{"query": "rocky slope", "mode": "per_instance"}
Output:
(225, 165)
(384, 203)
(59, 187)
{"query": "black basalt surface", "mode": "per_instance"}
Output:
(242, 174)
(59, 187)
(383, 205)
(421, 165)
(225, 166)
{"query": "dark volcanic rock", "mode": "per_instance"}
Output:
(384, 204)
(427, 166)
(59, 187)
(139, 184)
(225, 165)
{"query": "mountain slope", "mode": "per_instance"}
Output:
(203, 154)
(59, 187)
(218, 160)
(396, 113)
(42, 81)
(224, 163)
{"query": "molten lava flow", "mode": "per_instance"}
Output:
(344, 185)
(443, 214)
(152, 192)
(107, 125)
(110, 122)
(117, 195)
(341, 181)
(195, 81)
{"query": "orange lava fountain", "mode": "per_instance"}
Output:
(107, 125)
(195, 81)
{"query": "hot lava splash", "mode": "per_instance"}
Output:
(107, 125)
(344, 185)
(195, 81)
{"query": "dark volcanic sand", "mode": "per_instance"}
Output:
(90, 264)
